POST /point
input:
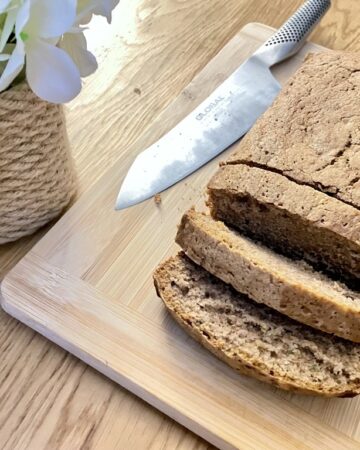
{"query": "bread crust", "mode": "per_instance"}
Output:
(311, 132)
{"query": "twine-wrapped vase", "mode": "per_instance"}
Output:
(37, 177)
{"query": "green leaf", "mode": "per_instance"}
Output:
(24, 36)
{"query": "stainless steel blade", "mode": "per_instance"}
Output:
(212, 127)
(223, 117)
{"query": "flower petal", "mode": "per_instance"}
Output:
(7, 28)
(4, 5)
(51, 73)
(22, 18)
(49, 19)
(13, 67)
(75, 45)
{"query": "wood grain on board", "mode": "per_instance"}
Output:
(153, 49)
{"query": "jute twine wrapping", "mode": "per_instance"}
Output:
(37, 178)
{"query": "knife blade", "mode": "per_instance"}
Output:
(224, 117)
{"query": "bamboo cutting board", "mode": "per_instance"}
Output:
(87, 286)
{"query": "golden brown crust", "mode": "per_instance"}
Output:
(311, 132)
(285, 285)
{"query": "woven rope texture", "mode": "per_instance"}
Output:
(37, 179)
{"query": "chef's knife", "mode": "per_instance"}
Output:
(225, 116)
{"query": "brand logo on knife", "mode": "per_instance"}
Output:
(209, 108)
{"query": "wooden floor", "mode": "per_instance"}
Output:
(154, 49)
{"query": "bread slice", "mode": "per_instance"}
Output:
(254, 339)
(311, 132)
(291, 287)
(296, 220)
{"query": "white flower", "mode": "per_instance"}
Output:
(75, 45)
(74, 42)
(46, 37)
(50, 71)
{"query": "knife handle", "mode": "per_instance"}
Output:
(292, 35)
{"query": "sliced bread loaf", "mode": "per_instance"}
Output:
(254, 339)
(297, 220)
(311, 133)
(291, 287)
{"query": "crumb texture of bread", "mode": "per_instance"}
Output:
(291, 287)
(311, 133)
(255, 339)
(296, 220)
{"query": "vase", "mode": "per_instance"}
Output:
(37, 175)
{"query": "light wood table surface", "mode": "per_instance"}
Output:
(49, 399)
